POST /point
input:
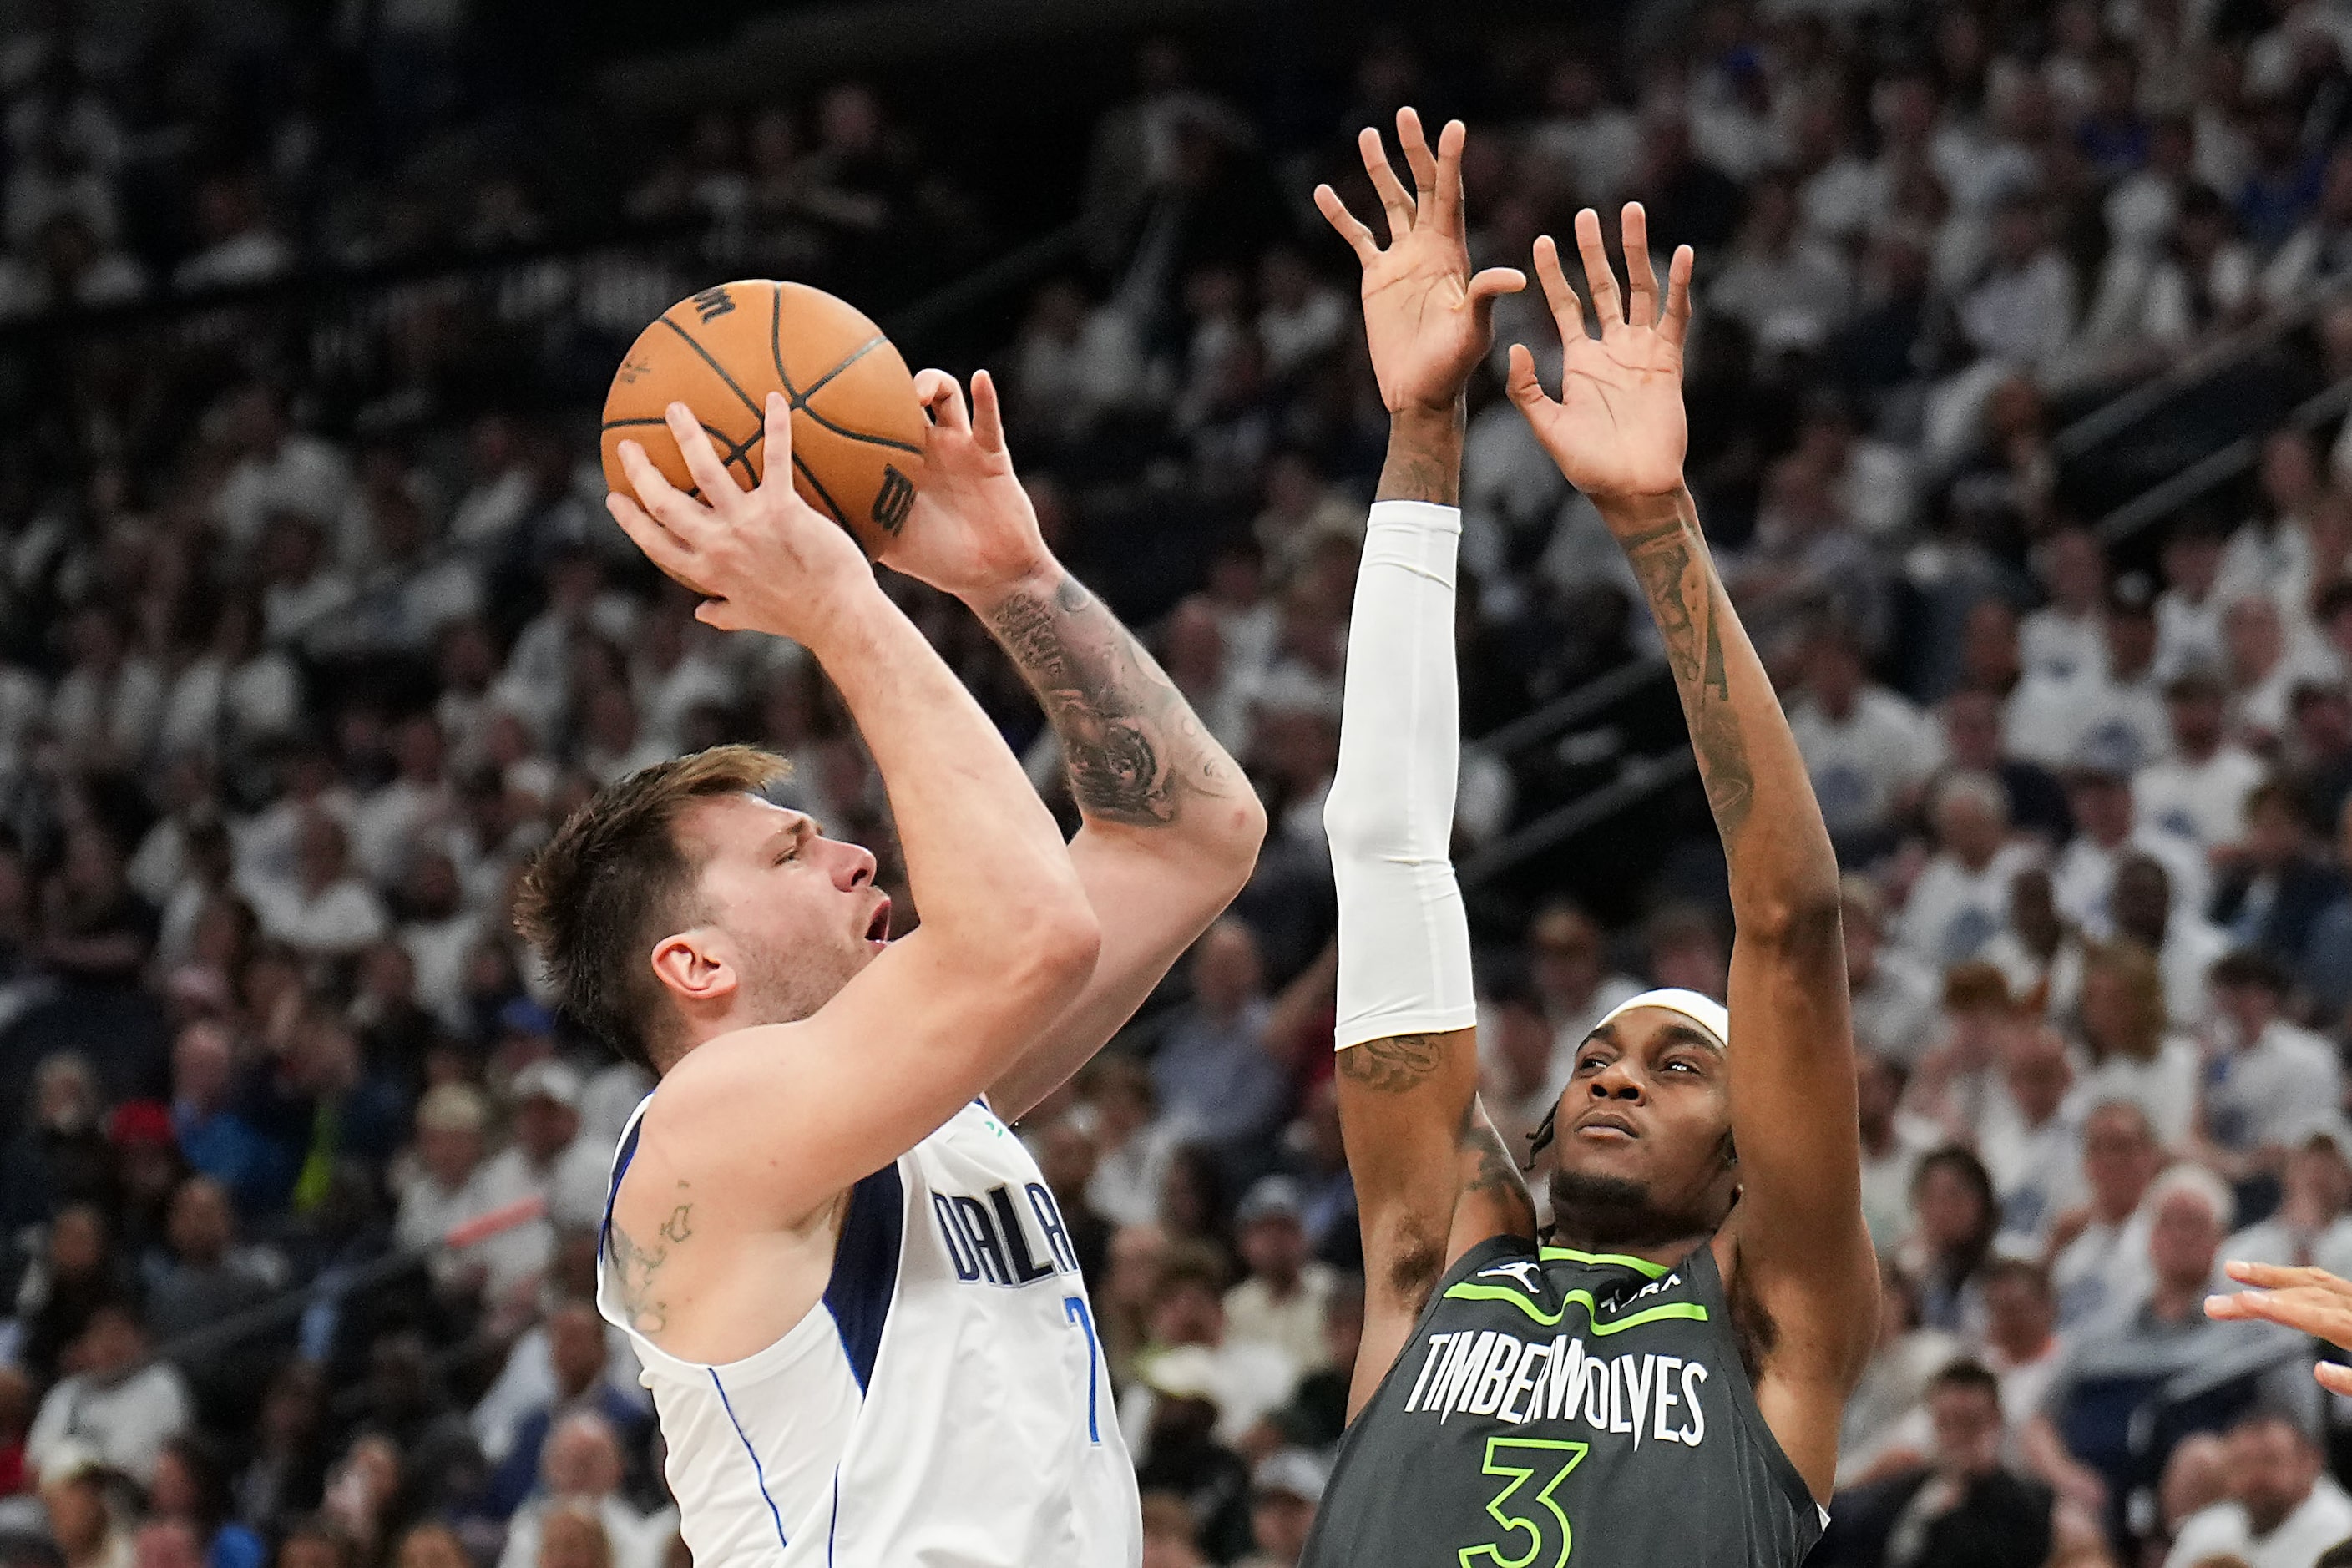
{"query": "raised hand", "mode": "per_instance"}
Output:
(764, 560)
(1617, 429)
(972, 531)
(2310, 1299)
(1429, 321)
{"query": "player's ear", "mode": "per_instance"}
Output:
(693, 968)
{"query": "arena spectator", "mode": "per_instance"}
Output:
(1284, 1490)
(1288, 1294)
(2099, 1251)
(1215, 1077)
(1963, 1506)
(119, 1405)
(1959, 901)
(2281, 1507)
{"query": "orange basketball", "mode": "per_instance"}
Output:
(857, 431)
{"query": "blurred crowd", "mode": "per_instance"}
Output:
(311, 626)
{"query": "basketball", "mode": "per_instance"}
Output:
(857, 431)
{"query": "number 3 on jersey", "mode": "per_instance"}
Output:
(1548, 1535)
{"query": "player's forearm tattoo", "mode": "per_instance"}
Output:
(1135, 750)
(635, 1267)
(1493, 1175)
(1424, 458)
(1392, 1065)
(1689, 607)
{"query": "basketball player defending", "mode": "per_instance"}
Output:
(858, 1306)
(1660, 1381)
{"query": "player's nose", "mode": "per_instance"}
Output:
(1616, 1080)
(853, 866)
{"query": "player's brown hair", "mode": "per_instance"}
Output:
(614, 880)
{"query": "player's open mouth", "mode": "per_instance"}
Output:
(877, 930)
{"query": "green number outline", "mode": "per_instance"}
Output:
(1518, 1476)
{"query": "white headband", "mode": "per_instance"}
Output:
(1704, 1011)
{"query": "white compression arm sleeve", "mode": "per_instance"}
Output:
(1404, 941)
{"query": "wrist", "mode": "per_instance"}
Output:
(1648, 509)
(1036, 579)
(1425, 455)
(849, 612)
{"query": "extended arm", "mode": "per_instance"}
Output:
(770, 1123)
(1170, 826)
(1796, 1243)
(1431, 1178)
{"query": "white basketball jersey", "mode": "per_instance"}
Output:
(944, 1404)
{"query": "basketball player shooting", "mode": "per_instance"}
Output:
(856, 1303)
(1659, 1380)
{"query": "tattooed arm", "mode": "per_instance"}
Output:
(1172, 828)
(1795, 1246)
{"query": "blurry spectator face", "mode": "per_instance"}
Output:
(2274, 833)
(1833, 673)
(2033, 911)
(1195, 647)
(1188, 1314)
(2318, 1179)
(201, 1224)
(1226, 975)
(1066, 1155)
(583, 1458)
(67, 1097)
(2197, 714)
(2290, 472)
(1878, 1091)
(2074, 570)
(2323, 722)
(569, 1538)
(1565, 954)
(2019, 1311)
(449, 1151)
(2141, 901)
(1989, 658)
(1279, 1522)
(1136, 1253)
(320, 851)
(1950, 1210)
(1522, 1045)
(2196, 1476)
(2255, 641)
(1274, 1247)
(2102, 804)
(545, 1127)
(2271, 1467)
(1972, 731)
(2186, 1235)
(1968, 828)
(77, 1243)
(2250, 1009)
(431, 1546)
(2033, 1065)
(2131, 640)
(167, 1544)
(575, 1345)
(111, 1346)
(1967, 1423)
(2119, 1159)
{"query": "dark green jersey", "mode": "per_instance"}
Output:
(1562, 1409)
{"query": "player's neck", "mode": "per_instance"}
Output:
(1602, 1243)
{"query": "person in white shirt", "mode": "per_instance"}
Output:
(2267, 661)
(2189, 611)
(2099, 792)
(1246, 1379)
(581, 1471)
(2030, 1137)
(2267, 1083)
(278, 468)
(1893, 994)
(546, 1154)
(2283, 1511)
(388, 822)
(1894, 1141)
(2099, 1252)
(2185, 944)
(1864, 747)
(2021, 1345)
(2112, 701)
(1960, 901)
(451, 1185)
(2063, 639)
(1133, 1147)
(119, 1403)
(1283, 1301)
(324, 909)
(2134, 1054)
(2198, 793)
(2309, 1227)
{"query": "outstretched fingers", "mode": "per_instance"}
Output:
(1418, 158)
(1351, 229)
(645, 529)
(987, 414)
(711, 475)
(1445, 209)
(1599, 278)
(2282, 1277)
(776, 441)
(1674, 325)
(1385, 184)
(1519, 381)
(942, 399)
(1567, 310)
(1640, 278)
(1489, 285)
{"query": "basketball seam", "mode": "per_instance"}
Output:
(859, 352)
(776, 342)
(815, 484)
(749, 401)
(860, 435)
